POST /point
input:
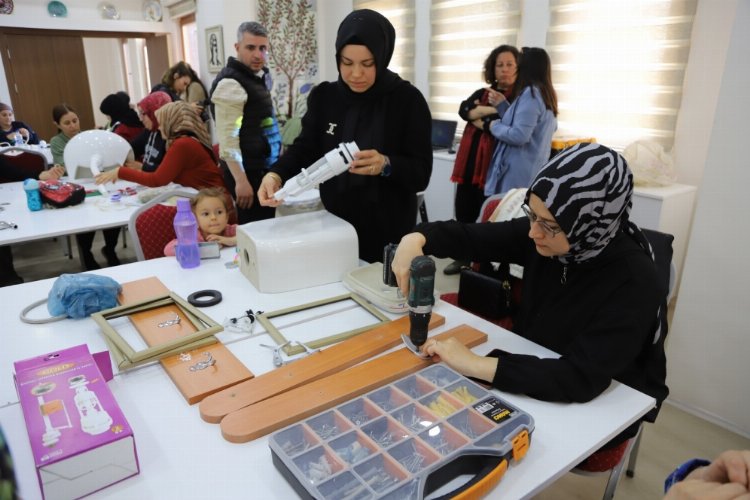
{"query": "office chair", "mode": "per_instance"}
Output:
(151, 226)
(613, 461)
(25, 162)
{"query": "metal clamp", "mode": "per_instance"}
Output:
(277, 358)
(170, 322)
(202, 365)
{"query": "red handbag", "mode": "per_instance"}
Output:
(61, 194)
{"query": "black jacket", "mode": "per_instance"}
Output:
(601, 321)
(381, 209)
(258, 107)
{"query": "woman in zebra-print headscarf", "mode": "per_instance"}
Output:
(590, 288)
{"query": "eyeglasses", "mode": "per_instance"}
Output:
(552, 231)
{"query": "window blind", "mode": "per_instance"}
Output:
(464, 32)
(401, 15)
(618, 67)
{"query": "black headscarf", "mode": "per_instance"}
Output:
(371, 29)
(117, 107)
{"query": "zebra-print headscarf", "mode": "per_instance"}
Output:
(588, 188)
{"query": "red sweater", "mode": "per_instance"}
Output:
(187, 162)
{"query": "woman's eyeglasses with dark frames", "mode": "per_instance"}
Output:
(552, 231)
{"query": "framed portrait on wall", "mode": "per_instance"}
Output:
(214, 49)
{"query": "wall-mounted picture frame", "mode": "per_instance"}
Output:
(215, 48)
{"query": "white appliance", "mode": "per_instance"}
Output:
(296, 251)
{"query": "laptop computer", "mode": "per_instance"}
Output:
(443, 134)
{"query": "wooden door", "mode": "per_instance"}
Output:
(43, 71)
(158, 58)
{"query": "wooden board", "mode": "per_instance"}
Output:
(318, 365)
(292, 406)
(194, 385)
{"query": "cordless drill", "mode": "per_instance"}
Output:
(421, 298)
(421, 293)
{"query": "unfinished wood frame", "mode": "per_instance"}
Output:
(265, 320)
(126, 357)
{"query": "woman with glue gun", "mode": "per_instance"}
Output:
(389, 120)
(591, 291)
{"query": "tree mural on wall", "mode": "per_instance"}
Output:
(293, 50)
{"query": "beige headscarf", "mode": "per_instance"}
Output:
(180, 118)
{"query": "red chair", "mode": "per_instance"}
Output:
(28, 163)
(151, 226)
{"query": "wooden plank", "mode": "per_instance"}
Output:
(292, 406)
(318, 365)
(194, 385)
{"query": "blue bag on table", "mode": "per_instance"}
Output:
(79, 295)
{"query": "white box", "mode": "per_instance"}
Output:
(297, 251)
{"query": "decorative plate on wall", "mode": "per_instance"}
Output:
(152, 10)
(109, 11)
(6, 6)
(57, 9)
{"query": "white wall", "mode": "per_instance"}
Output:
(709, 343)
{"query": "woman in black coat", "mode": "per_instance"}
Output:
(389, 120)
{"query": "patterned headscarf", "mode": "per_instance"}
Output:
(180, 118)
(151, 103)
(588, 188)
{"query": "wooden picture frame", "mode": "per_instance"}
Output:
(215, 48)
(126, 357)
(265, 320)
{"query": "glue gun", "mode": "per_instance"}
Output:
(333, 163)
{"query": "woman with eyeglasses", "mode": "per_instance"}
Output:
(590, 287)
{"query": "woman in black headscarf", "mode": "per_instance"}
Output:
(590, 286)
(123, 120)
(389, 120)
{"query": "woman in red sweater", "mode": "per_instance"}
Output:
(189, 160)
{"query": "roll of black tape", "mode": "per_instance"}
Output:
(204, 298)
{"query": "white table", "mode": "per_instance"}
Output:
(96, 212)
(181, 456)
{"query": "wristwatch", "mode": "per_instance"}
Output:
(386, 167)
(683, 470)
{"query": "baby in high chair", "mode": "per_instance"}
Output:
(210, 209)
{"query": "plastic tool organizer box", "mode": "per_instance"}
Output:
(405, 440)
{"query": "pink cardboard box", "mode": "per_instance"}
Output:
(79, 437)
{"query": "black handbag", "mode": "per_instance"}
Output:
(486, 296)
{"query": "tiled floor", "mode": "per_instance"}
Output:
(674, 438)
